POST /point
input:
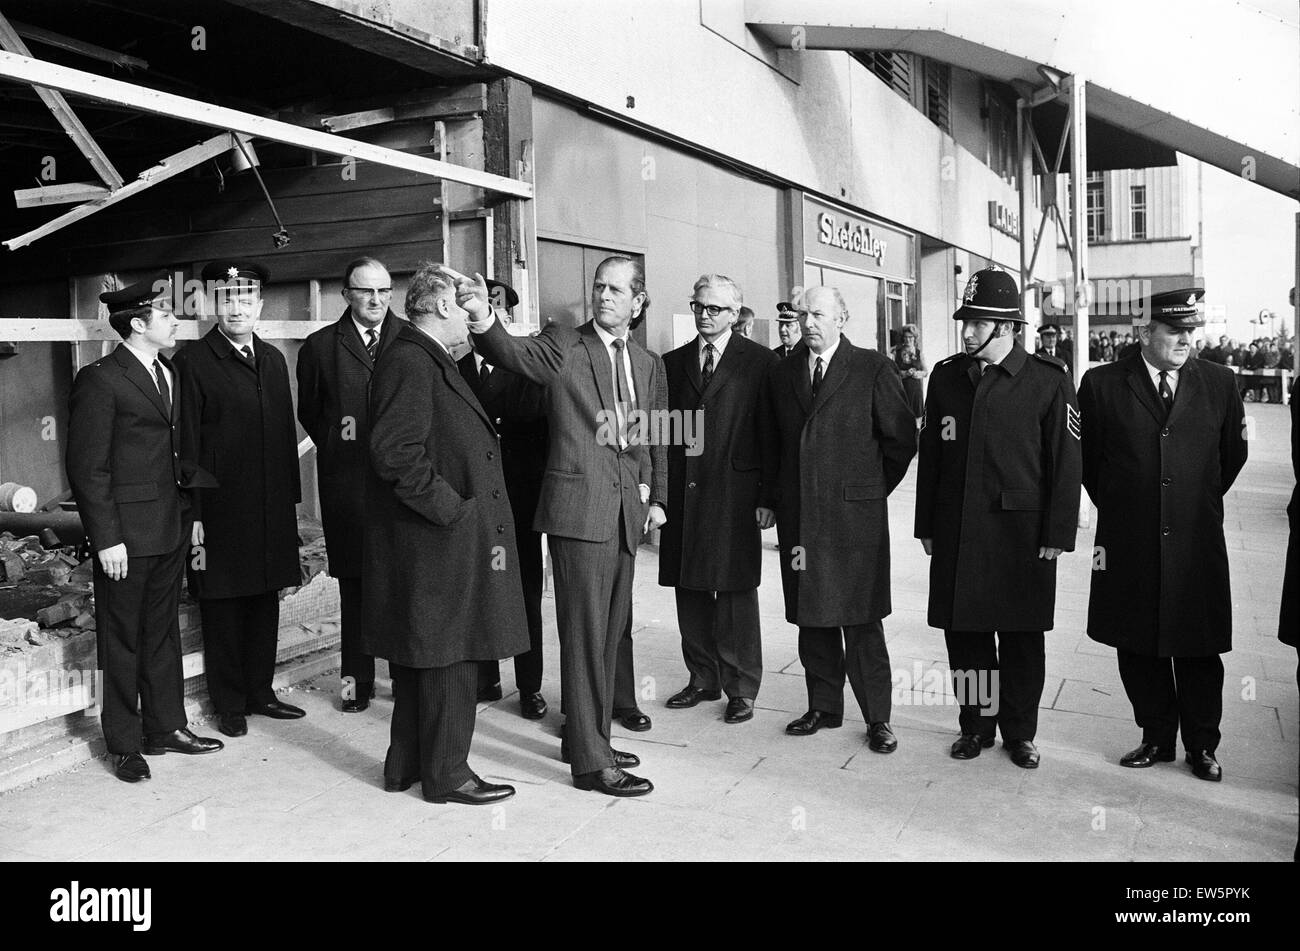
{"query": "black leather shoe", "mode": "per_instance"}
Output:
(633, 720)
(1148, 754)
(475, 792)
(739, 709)
(968, 746)
(277, 710)
(881, 739)
(232, 724)
(131, 768)
(689, 696)
(356, 705)
(400, 785)
(532, 706)
(812, 721)
(180, 741)
(489, 694)
(613, 782)
(1205, 766)
(1023, 753)
(621, 759)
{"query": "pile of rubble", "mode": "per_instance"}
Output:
(49, 583)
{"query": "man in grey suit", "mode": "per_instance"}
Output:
(603, 488)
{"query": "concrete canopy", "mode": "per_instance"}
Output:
(1218, 81)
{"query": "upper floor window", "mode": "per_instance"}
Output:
(1138, 211)
(1096, 207)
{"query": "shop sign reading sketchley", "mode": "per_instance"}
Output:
(836, 236)
(850, 235)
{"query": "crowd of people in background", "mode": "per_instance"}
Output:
(1262, 353)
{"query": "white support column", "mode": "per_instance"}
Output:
(1078, 221)
(1025, 154)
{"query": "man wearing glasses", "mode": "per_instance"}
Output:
(712, 553)
(334, 370)
(841, 437)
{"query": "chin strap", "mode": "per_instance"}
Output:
(986, 342)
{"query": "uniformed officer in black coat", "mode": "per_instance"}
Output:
(334, 370)
(1049, 336)
(132, 492)
(237, 423)
(997, 500)
(517, 408)
(1163, 442)
(787, 328)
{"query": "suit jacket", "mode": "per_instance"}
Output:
(591, 486)
(334, 372)
(517, 407)
(237, 422)
(123, 458)
(1160, 584)
(442, 582)
(1289, 617)
(834, 462)
(997, 478)
(712, 542)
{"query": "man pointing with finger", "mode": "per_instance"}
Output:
(603, 488)
(997, 500)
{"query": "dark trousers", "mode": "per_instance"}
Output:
(593, 604)
(827, 653)
(138, 641)
(239, 636)
(356, 664)
(1015, 667)
(721, 642)
(528, 665)
(433, 726)
(1167, 692)
(625, 673)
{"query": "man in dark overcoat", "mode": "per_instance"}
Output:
(133, 495)
(1163, 441)
(605, 487)
(997, 500)
(517, 408)
(711, 555)
(841, 437)
(442, 588)
(237, 423)
(334, 369)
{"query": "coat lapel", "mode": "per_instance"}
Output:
(642, 370)
(352, 340)
(450, 372)
(1140, 383)
(134, 371)
(802, 385)
(725, 368)
(1189, 387)
(692, 356)
(601, 368)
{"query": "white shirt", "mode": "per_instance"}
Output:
(1171, 377)
(148, 365)
(824, 357)
(718, 346)
(608, 339)
(238, 346)
(363, 330)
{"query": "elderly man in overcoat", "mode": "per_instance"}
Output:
(841, 436)
(237, 423)
(334, 369)
(1163, 441)
(442, 588)
(712, 554)
(997, 500)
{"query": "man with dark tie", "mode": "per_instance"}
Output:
(335, 366)
(132, 493)
(787, 328)
(604, 488)
(237, 423)
(517, 409)
(442, 584)
(711, 554)
(841, 436)
(1163, 441)
(997, 501)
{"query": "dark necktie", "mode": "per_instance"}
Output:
(372, 342)
(707, 373)
(623, 398)
(1166, 393)
(160, 381)
(817, 377)
(247, 351)
(484, 374)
